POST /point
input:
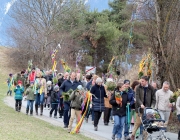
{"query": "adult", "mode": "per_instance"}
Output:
(99, 93)
(119, 110)
(162, 101)
(71, 83)
(50, 76)
(60, 81)
(32, 76)
(130, 94)
(178, 113)
(145, 97)
(41, 92)
(154, 85)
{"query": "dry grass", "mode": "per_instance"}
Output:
(18, 126)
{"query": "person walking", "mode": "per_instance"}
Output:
(76, 99)
(10, 83)
(54, 101)
(19, 90)
(47, 101)
(71, 83)
(145, 97)
(119, 110)
(163, 104)
(99, 93)
(30, 99)
(178, 113)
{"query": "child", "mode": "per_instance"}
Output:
(48, 98)
(30, 99)
(19, 90)
(76, 99)
(10, 84)
(54, 101)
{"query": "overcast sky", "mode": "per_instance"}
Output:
(6, 5)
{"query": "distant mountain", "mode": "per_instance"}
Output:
(98, 4)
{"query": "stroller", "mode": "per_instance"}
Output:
(152, 122)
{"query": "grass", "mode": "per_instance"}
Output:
(18, 126)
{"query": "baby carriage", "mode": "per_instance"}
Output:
(152, 122)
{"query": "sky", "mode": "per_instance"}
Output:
(5, 7)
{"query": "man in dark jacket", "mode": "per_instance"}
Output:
(145, 97)
(60, 81)
(99, 93)
(131, 101)
(65, 87)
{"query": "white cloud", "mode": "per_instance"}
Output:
(86, 1)
(8, 6)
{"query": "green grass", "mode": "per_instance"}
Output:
(18, 126)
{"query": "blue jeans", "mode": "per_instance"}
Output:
(126, 127)
(118, 125)
(30, 104)
(39, 99)
(66, 113)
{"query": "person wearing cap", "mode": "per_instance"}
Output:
(76, 99)
(30, 98)
(47, 100)
(19, 90)
(54, 101)
(131, 96)
(10, 83)
(99, 93)
(71, 83)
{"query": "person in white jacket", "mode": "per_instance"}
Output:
(162, 101)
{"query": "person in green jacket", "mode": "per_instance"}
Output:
(30, 99)
(19, 90)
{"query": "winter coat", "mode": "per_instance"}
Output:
(116, 108)
(89, 85)
(18, 92)
(49, 78)
(32, 76)
(66, 86)
(76, 100)
(98, 101)
(41, 84)
(150, 97)
(54, 97)
(60, 81)
(30, 93)
(131, 95)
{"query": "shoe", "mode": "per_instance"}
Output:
(106, 124)
(65, 126)
(86, 120)
(60, 116)
(16, 109)
(27, 111)
(55, 117)
(132, 137)
(50, 115)
(41, 107)
(113, 137)
(95, 129)
(31, 112)
(127, 138)
(93, 122)
(69, 130)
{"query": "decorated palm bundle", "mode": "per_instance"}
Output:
(55, 80)
(67, 94)
(174, 97)
(110, 85)
(118, 97)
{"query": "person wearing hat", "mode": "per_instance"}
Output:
(99, 93)
(131, 96)
(19, 90)
(47, 100)
(30, 98)
(54, 101)
(10, 83)
(76, 99)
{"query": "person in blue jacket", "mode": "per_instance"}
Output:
(19, 90)
(131, 96)
(99, 93)
(71, 83)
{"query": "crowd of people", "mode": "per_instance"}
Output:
(37, 86)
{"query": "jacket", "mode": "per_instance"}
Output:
(49, 90)
(178, 105)
(30, 93)
(89, 85)
(18, 92)
(106, 100)
(66, 86)
(41, 84)
(117, 109)
(54, 97)
(98, 101)
(131, 95)
(76, 100)
(162, 100)
(150, 97)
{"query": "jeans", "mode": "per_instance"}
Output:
(126, 127)
(164, 115)
(30, 104)
(118, 125)
(97, 116)
(61, 107)
(67, 113)
(39, 99)
(18, 104)
(54, 107)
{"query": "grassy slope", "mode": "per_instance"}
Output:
(18, 126)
